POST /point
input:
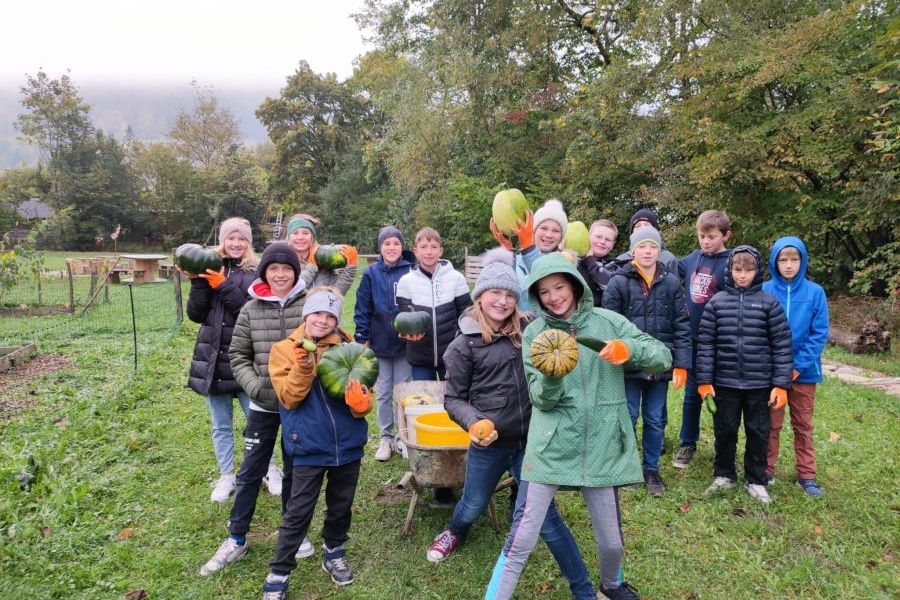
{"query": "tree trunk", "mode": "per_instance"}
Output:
(873, 338)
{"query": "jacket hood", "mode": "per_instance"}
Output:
(757, 279)
(558, 262)
(260, 290)
(468, 325)
(779, 245)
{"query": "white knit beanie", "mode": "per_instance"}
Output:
(552, 210)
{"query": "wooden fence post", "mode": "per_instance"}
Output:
(179, 311)
(71, 287)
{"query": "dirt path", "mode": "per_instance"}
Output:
(863, 377)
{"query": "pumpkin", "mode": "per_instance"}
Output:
(195, 259)
(413, 322)
(554, 353)
(591, 342)
(509, 206)
(308, 345)
(330, 257)
(417, 399)
(578, 239)
(483, 428)
(339, 364)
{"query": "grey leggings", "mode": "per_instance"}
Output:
(603, 504)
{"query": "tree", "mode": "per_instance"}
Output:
(204, 135)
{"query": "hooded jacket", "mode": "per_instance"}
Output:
(216, 309)
(376, 306)
(487, 381)
(580, 432)
(658, 309)
(597, 272)
(745, 342)
(703, 276)
(806, 309)
(264, 320)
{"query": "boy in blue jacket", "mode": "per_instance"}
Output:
(376, 307)
(806, 308)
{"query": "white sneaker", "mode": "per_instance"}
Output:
(273, 480)
(223, 488)
(227, 553)
(400, 448)
(384, 450)
(306, 549)
(759, 492)
(718, 484)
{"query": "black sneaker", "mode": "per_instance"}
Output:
(339, 570)
(623, 592)
(683, 457)
(655, 484)
(275, 590)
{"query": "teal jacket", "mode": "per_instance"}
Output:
(580, 432)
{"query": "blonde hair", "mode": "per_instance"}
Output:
(791, 251)
(249, 260)
(604, 223)
(714, 219)
(511, 327)
(428, 234)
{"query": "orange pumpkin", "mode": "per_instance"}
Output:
(483, 428)
(554, 353)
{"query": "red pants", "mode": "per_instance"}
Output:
(801, 399)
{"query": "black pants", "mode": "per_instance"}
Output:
(260, 436)
(339, 492)
(754, 404)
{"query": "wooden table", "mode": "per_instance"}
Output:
(146, 267)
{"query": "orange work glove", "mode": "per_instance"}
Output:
(706, 388)
(498, 235)
(777, 398)
(304, 357)
(357, 396)
(215, 278)
(679, 377)
(311, 259)
(795, 374)
(482, 432)
(350, 253)
(615, 352)
(525, 232)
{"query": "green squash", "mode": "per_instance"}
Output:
(330, 257)
(195, 259)
(591, 342)
(344, 362)
(413, 322)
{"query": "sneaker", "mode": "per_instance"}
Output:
(400, 448)
(339, 570)
(384, 450)
(811, 487)
(623, 592)
(768, 479)
(274, 590)
(227, 553)
(273, 480)
(305, 550)
(443, 546)
(655, 484)
(683, 457)
(759, 492)
(223, 489)
(719, 483)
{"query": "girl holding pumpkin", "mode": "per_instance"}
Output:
(300, 233)
(580, 433)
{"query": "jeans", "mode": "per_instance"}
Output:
(690, 412)
(429, 373)
(648, 398)
(484, 468)
(391, 371)
(801, 400)
(221, 412)
(753, 404)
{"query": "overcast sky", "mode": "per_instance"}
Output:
(217, 42)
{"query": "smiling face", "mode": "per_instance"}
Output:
(428, 253)
(235, 245)
(712, 241)
(320, 323)
(602, 240)
(301, 240)
(391, 250)
(548, 235)
(497, 305)
(280, 278)
(645, 255)
(557, 295)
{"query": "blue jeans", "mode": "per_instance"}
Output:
(391, 371)
(221, 412)
(648, 398)
(429, 373)
(484, 468)
(690, 412)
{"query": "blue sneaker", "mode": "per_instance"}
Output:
(811, 487)
(274, 590)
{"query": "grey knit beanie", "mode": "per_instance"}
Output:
(323, 300)
(645, 234)
(389, 231)
(497, 273)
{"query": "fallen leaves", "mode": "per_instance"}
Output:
(45, 532)
(818, 529)
(136, 594)
(834, 436)
(125, 533)
(684, 507)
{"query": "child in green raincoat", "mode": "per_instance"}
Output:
(580, 434)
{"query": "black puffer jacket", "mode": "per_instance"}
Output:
(597, 272)
(487, 381)
(216, 310)
(745, 341)
(659, 310)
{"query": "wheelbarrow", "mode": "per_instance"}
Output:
(431, 467)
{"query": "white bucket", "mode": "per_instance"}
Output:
(412, 412)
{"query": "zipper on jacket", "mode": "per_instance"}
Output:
(284, 332)
(584, 443)
(522, 427)
(337, 450)
(740, 344)
(434, 331)
(788, 308)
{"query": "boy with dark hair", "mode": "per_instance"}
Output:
(744, 362)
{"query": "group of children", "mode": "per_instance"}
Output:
(706, 322)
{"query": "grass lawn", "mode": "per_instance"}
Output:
(122, 472)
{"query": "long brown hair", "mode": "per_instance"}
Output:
(511, 327)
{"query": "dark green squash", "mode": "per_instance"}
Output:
(330, 257)
(344, 362)
(195, 259)
(591, 342)
(413, 322)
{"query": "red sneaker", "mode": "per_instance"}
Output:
(443, 546)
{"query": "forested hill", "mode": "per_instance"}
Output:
(149, 110)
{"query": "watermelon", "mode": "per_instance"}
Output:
(509, 207)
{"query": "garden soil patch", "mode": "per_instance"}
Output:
(16, 383)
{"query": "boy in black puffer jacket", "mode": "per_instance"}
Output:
(745, 352)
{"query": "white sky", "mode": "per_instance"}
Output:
(216, 42)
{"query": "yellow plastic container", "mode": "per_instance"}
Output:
(436, 429)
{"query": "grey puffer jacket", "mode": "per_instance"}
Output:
(264, 320)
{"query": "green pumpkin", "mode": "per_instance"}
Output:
(195, 259)
(344, 362)
(330, 257)
(413, 322)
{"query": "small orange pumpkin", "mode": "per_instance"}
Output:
(554, 353)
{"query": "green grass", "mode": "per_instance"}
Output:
(885, 362)
(116, 453)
